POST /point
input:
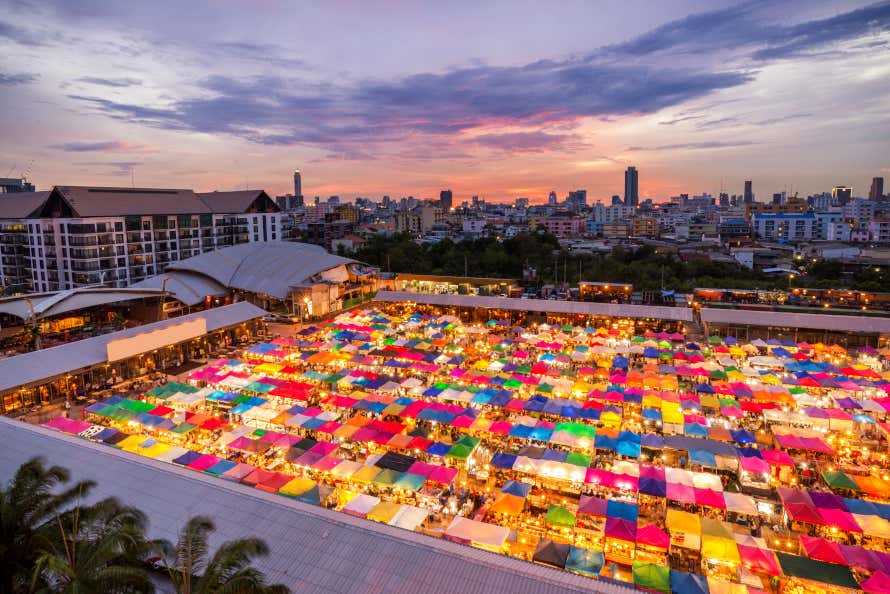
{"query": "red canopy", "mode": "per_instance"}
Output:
(822, 549)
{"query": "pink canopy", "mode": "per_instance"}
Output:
(204, 462)
(621, 529)
(777, 458)
(754, 464)
(842, 520)
(653, 536)
(822, 549)
(421, 469)
(760, 560)
(879, 583)
(67, 425)
(709, 497)
(443, 474)
(681, 493)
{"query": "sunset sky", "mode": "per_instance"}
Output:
(500, 99)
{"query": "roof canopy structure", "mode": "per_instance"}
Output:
(45, 305)
(835, 323)
(266, 268)
(37, 366)
(618, 310)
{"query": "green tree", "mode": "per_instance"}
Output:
(193, 570)
(29, 507)
(97, 548)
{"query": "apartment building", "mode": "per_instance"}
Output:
(75, 236)
(784, 227)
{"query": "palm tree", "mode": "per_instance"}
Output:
(193, 570)
(29, 505)
(97, 548)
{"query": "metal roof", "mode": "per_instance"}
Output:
(38, 366)
(785, 319)
(267, 268)
(20, 205)
(617, 310)
(51, 304)
(312, 549)
(98, 202)
(188, 287)
(234, 202)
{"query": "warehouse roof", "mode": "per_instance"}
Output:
(312, 549)
(784, 319)
(46, 305)
(620, 310)
(38, 366)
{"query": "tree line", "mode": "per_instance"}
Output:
(53, 542)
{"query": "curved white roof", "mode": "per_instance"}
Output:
(50, 304)
(263, 267)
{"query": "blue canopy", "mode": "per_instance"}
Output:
(689, 583)
(623, 510)
(703, 457)
(505, 461)
(654, 487)
(516, 488)
(585, 561)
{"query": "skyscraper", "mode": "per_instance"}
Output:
(298, 188)
(877, 188)
(841, 195)
(749, 192)
(445, 199)
(551, 199)
(631, 187)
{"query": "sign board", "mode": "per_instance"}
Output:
(124, 348)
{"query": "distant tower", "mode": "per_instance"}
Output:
(841, 194)
(298, 188)
(749, 192)
(445, 199)
(877, 188)
(631, 187)
(551, 199)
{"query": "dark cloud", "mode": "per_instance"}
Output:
(354, 118)
(520, 142)
(742, 27)
(274, 110)
(693, 146)
(804, 37)
(107, 146)
(681, 120)
(20, 35)
(16, 79)
(110, 82)
(113, 167)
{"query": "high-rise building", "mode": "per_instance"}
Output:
(9, 185)
(73, 237)
(841, 194)
(298, 188)
(445, 199)
(551, 198)
(877, 188)
(577, 199)
(749, 192)
(631, 187)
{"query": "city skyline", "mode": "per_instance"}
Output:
(697, 96)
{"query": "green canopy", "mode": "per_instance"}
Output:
(715, 340)
(459, 451)
(839, 480)
(652, 576)
(576, 429)
(546, 388)
(387, 476)
(410, 482)
(578, 459)
(718, 374)
(468, 440)
(137, 406)
(512, 384)
(817, 571)
(183, 428)
(557, 515)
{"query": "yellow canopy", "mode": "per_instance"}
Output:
(722, 549)
(154, 450)
(131, 443)
(384, 511)
(365, 474)
(296, 486)
(680, 521)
